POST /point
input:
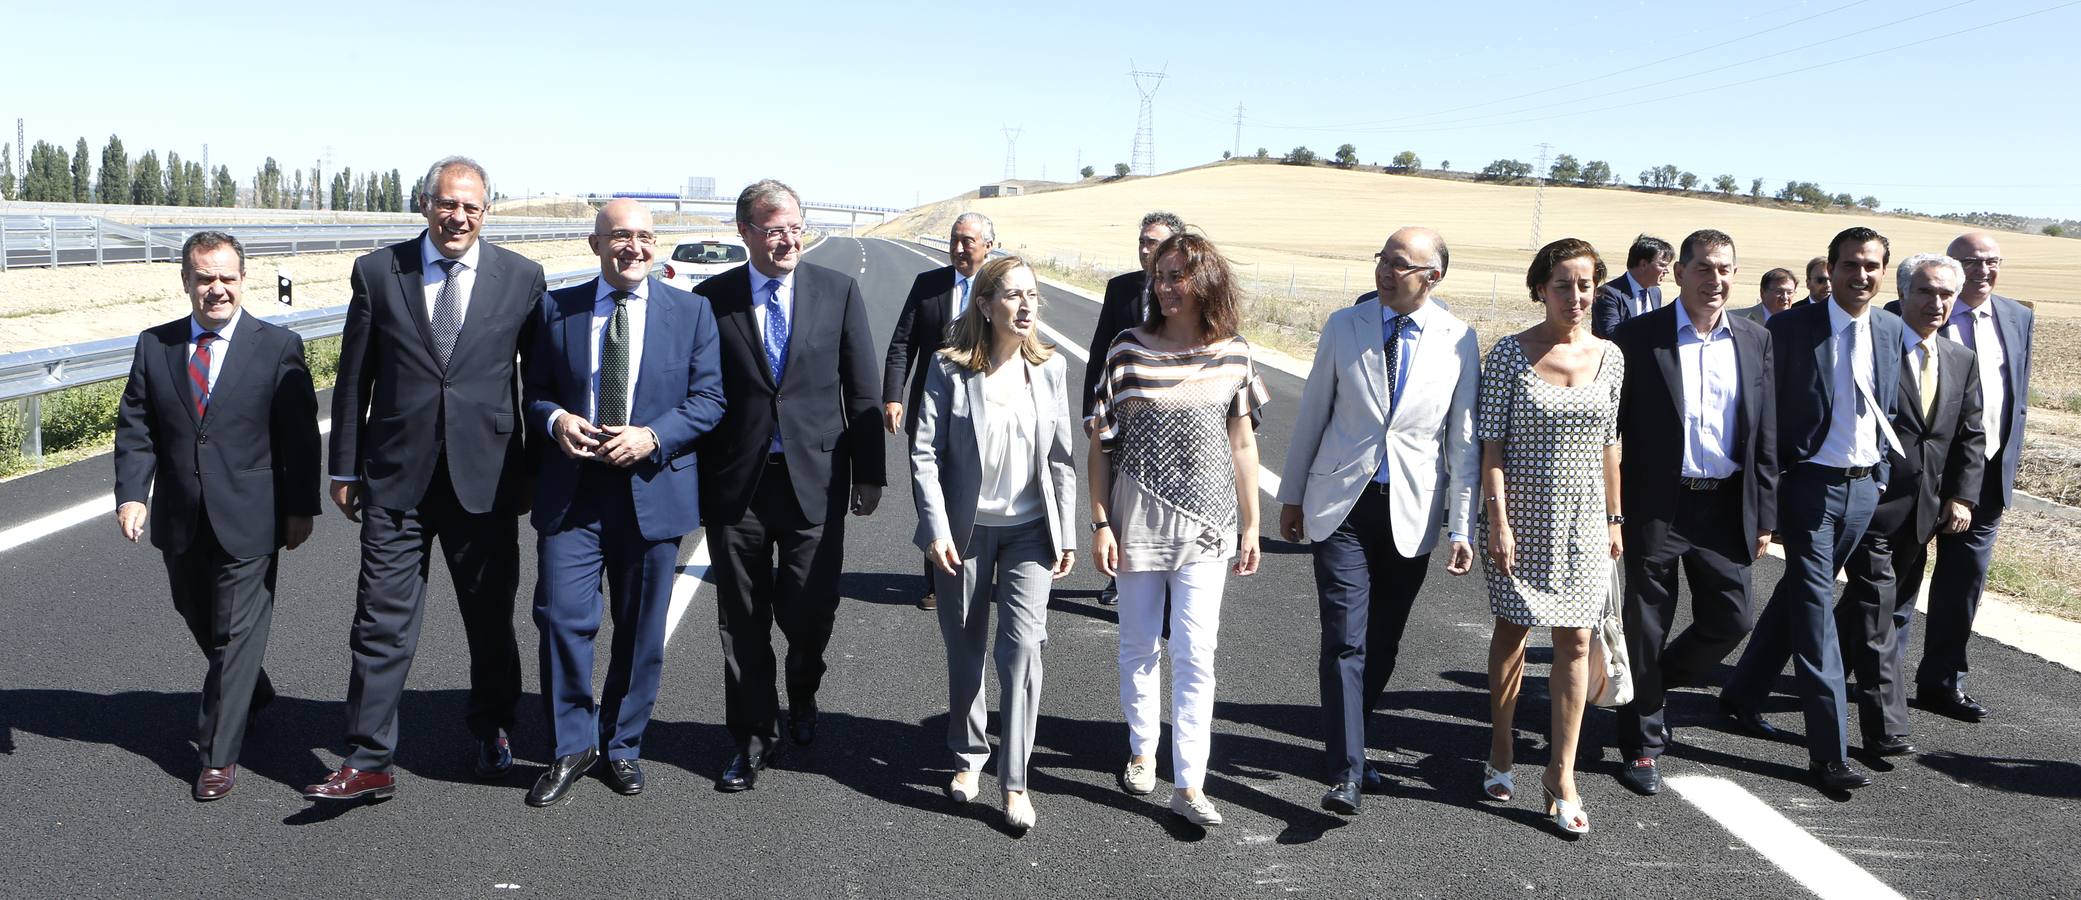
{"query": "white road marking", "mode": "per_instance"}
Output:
(689, 581)
(51, 523)
(1813, 864)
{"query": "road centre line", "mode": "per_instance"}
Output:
(1816, 866)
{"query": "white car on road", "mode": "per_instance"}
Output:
(693, 261)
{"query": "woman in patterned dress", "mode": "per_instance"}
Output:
(1173, 473)
(1548, 423)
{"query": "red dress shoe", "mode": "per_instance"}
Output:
(213, 784)
(353, 784)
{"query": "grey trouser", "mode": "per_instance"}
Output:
(1008, 567)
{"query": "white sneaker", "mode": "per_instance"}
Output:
(1197, 810)
(1138, 778)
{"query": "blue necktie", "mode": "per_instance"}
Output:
(776, 331)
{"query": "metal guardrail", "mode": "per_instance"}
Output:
(42, 241)
(28, 375)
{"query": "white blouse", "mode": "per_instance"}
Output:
(1010, 491)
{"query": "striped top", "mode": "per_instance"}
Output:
(1162, 418)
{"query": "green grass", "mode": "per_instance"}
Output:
(2036, 583)
(81, 422)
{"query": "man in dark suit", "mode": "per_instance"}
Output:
(426, 443)
(623, 374)
(1837, 368)
(1636, 292)
(799, 442)
(1816, 281)
(1774, 295)
(1126, 300)
(1698, 414)
(1998, 331)
(1125, 305)
(220, 510)
(936, 297)
(1933, 487)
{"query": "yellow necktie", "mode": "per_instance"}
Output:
(1928, 379)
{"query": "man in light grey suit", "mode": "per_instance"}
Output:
(1383, 453)
(1998, 330)
(1778, 287)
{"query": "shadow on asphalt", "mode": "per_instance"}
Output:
(282, 743)
(2037, 777)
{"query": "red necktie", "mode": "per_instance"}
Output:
(199, 372)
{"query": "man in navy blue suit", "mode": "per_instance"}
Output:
(1637, 291)
(623, 373)
(1837, 368)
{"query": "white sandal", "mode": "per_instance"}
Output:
(1491, 780)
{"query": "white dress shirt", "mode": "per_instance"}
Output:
(1853, 436)
(431, 276)
(218, 349)
(602, 315)
(1710, 373)
(1975, 328)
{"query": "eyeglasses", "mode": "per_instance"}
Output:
(1979, 262)
(771, 233)
(450, 205)
(1401, 268)
(622, 237)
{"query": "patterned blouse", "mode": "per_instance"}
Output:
(1163, 421)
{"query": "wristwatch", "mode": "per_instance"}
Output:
(1097, 527)
(1615, 520)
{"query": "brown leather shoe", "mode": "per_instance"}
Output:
(929, 601)
(213, 784)
(353, 784)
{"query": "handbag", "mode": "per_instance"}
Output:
(1611, 672)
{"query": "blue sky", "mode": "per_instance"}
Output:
(1933, 105)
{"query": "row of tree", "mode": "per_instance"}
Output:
(52, 176)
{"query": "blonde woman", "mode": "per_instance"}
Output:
(995, 486)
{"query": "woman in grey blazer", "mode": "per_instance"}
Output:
(991, 471)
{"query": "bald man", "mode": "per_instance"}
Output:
(1386, 419)
(623, 373)
(1998, 331)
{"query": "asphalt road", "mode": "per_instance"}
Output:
(97, 701)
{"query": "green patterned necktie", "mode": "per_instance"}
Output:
(614, 365)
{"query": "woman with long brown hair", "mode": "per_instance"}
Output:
(1173, 472)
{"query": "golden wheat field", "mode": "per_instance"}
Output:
(1318, 228)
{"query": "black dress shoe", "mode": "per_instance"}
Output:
(802, 726)
(494, 757)
(1888, 745)
(1370, 779)
(743, 772)
(1642, 777)
(556, 782)
(1837, 776)
(1952, 704)
(624, 776)
(929, 601)
(1110, 594)
(1342, 798)
(1749, 722)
